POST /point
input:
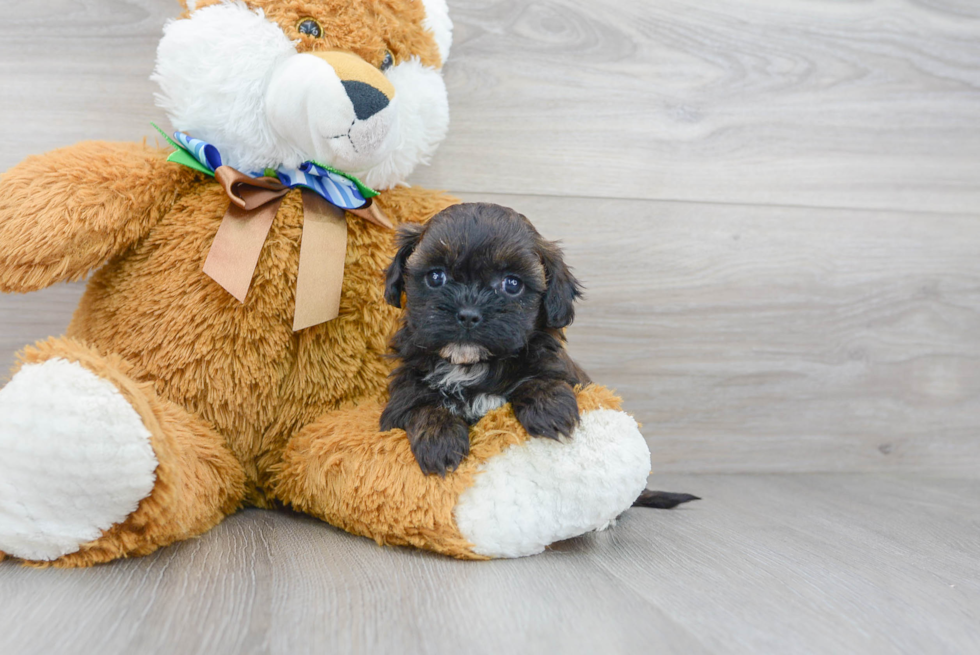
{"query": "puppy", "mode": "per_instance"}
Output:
(486, 299)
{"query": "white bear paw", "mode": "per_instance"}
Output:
(75, 459)
(543, 491)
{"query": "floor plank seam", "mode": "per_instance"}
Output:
(716, 203)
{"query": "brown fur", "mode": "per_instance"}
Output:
(199, 357)
(240, 366)
(367, 29)
(68, 211)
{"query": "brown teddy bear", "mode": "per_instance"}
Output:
(221, 356)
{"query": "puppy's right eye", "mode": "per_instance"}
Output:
(435, 278)
(512, 285)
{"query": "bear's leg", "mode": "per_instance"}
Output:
(513, 496)
(95, 466)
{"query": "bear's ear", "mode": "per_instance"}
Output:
(437, 21)
(409, 235)
(558, 303)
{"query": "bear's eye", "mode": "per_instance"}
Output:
(310, 27)
(435, 278)
(512, 285)
(388, 62)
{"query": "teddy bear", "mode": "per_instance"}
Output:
(230, 347)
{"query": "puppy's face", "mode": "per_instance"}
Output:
(478, 281)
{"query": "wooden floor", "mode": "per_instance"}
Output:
(776, 209)
(812, 563)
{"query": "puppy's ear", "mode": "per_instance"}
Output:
(562, 288)
(409, 235)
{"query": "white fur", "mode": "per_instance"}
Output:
(437, 21)
(478, 407)
(454, 378)
(543, 491)
(75, 459)
(423, 120)
(309, 111)
(464, 353)
(214, 69)
(231, 77)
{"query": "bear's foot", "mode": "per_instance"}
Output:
(542, 491)
(95, 466)
(513, 496)
(75, 459)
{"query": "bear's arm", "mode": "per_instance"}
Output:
(65, 213)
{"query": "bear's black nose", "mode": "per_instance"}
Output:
(366, 99)
(469, 318)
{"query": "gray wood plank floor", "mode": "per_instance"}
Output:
(774, 206)
(819, 563)
(822, 103)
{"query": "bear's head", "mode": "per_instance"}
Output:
(355, 84)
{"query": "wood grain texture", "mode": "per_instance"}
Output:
(26, 318)
(778, 564)
(73, 70)
(822, 103)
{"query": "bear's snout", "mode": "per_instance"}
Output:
(368, 90)
(335, 108)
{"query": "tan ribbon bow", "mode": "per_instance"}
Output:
(238, 243)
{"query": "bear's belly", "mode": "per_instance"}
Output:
(239, 365)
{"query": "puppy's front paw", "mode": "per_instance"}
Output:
(546, 408)
(439, 440)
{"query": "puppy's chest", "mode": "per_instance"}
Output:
(469, 391)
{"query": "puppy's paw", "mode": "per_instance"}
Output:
(546, 408)
(439, 440)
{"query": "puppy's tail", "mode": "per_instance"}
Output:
(662, 499)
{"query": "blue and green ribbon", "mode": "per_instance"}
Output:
(336, 187)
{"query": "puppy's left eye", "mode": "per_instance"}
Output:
(435, 278)
(388, 61)
(512, 285)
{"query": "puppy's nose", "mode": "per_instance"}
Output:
(366, 99)
(469, 318)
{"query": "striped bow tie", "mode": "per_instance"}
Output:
(338, 188)
(254, 202)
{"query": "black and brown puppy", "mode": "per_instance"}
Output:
(486, 299)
